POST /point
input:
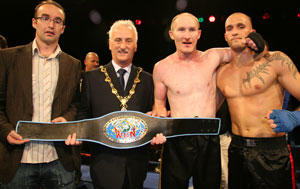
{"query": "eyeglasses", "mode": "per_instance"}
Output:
(47, 20)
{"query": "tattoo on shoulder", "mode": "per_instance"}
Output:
(262, 68)
(284, 61)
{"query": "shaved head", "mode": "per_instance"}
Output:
(239, 15)
(185, 14)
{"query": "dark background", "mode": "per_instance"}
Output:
(281, 30)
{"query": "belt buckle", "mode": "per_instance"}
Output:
(250, 142)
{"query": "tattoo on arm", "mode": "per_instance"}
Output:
(285, 61)
(262, 68)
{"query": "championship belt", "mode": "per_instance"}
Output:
(119, 130)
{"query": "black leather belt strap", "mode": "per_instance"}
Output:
(120, 130)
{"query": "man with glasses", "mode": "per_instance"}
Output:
(38, 82)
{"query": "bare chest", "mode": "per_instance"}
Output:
(183, 80)
(246, 81)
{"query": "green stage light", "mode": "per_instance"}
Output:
(200, 19)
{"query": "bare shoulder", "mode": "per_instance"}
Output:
(164, 62)
(217, 56)
(217, 51)
(280, 62)
(275, 56)
(278, 58)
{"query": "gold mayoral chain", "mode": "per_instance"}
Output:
(122, 99)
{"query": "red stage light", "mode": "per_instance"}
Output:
(266, 16)
(212, 19)
(138, 22)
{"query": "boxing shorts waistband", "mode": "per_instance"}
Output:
(264, 143)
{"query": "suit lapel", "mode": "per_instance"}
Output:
(112, 74)
(25, 71)
(131, 78)
(64, 70)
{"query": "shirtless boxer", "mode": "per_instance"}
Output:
(188, 79)
(258, 157)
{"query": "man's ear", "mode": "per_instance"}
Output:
(33, 23)
(109, 44)
(135, 49)
(199, 35)
(171, 34)
(63, 30)
(225, 37)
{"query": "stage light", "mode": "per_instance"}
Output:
(138, 22)
(95, 17)
(266, 16)
(181, 5)
(298, 15)
(212, 19)
(200, 19)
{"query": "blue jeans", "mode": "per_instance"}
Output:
(44, 175)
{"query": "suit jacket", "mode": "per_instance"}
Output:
(16, 102)
(97, 100)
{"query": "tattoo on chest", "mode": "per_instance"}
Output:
(256, 73)
(262, 68)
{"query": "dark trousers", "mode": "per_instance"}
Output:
(259, 163)
(119, 169)
(196, 156)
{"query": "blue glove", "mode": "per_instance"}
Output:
(285, 120)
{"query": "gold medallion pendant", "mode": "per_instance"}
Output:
(123, 100)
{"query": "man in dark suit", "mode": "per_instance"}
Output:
(38, 82)
(112, 168)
